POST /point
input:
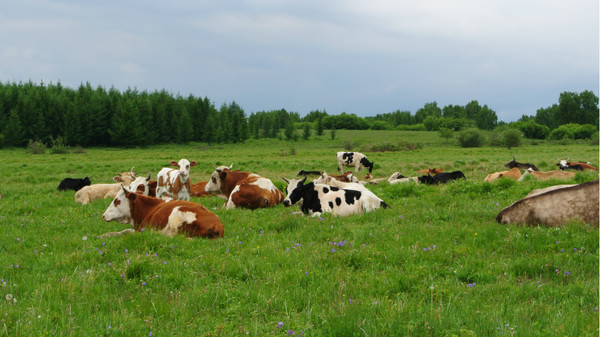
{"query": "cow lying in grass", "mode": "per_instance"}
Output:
(316, 199)
(555, 207)
(244, 189)
(441, 178)
(99, 191)
(547, 175)
(169, 217)
(514, 174)
(74, 184)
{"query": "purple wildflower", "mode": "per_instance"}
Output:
(290, 332)
(567, 273)
(279, 325)
(333, 250)
(471, 285)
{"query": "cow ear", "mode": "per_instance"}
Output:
(302, 181)
(117, 179)
(193, 163)
(222, 175)
(174, 163)
(286, 181)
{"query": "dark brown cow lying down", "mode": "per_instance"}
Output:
(556, 207)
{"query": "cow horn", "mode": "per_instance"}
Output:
(149, 175)
(231, 166)
(303, 180)
(287, 181)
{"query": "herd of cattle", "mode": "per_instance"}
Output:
(164, 204)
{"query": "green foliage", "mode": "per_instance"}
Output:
(36, 147)
(566, 131)
(414, 127)
(531, 129)
(306, 131)
(585, 131)
(57, 146)
(472, 137)
(380, 125)
(511, 138)
(446, 133)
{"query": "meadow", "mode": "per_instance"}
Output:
(434, 264)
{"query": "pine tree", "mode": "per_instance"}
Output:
(13, 131)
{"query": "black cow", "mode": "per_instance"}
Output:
(441, 178)
(73, 184)
(524, 166)
(306, 173)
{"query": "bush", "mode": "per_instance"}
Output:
(380, 125)
(36, 147)
(511, 138)
(58, 146)
(532, 129)
(585, 131)
(565, 131)
(472, 137)
(414, 127)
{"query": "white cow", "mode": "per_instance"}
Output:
(356, 159)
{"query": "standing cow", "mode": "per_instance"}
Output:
(175, 184)
(356, 159)
(171, 218)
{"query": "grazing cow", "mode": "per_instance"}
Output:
(577, 166)
(556, 174)
(514, 174)
(309, 173)
(73, 184)
(244, 189)
(356, 159)
(524, 166)
(431, 171)
(98, 191)
(555, 208)
(441, 178)
(319, 198)
(347, 177)
(171, 218)
(175, 183)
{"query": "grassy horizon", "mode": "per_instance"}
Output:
(435, 264)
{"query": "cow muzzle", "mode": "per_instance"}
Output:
(287, 202)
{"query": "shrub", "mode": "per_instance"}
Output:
(511, 138)
(380, 125)
(532, 129)
(585, 131)
(58, 145)
(36, 147)
(414, 127)
(472, 137)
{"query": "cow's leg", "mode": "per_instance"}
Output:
(111, 234)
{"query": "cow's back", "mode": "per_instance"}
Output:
(183, 217)
(254, 192)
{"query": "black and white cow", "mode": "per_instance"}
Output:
(441, 178)
(319, 198)
(356, 159)
(73, 184)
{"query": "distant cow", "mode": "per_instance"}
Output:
(173, 183)
(347, 177)
(170, 218)
(441, 178)
(309, 173)
(73, 184)
(577, 166)
(244, 189)
(98, 191)
(556, 207)
(524, 166)
(356, 159)
(397, 178)
(431, 171)
(320, 198)
(514, 174)
(556, 174)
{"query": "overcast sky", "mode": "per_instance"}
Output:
(359, 57)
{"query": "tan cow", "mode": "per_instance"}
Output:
(99, 191)
(556, 207)
(514, 173)
(547, 175)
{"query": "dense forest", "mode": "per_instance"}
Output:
(88, 116)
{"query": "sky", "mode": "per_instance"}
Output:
(358, 57)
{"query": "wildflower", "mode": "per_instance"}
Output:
(306, 273)
(84, 238)
(320, 218)
(287, 249)
(567, 273)
(9, 297)
(574, 249)
(279, 325)
(333, 250)
(290, 332)
(239, 242)
(471, 285)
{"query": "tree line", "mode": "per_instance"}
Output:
(89, 117)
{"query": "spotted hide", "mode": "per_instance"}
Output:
(319, 198)
(170, 218)
(356, 159)
(244, 189)
(173, 183)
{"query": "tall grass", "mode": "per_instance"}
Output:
(434, 264)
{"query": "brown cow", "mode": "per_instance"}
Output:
(514, 174)
(244, 189)
(547, 175)
(431, 171)
(169, 217)
(556, 207)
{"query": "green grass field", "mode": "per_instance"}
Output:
(435, 264)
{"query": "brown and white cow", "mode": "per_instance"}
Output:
(170, 218)
(244, 189)
(514, 174)
(577, 166)
(347, 177)
(143, 185)
(173, 183)
(93, 192)
(547, 175)
(556, 207)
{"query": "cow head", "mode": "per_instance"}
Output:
(511, 164)
(367, 164)
(125, 177)
(221, 168)
(86, 181)
(120, 210)
(214, 184)
(563, 163)
(140, 185)
(184, 166)
(293, 191)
